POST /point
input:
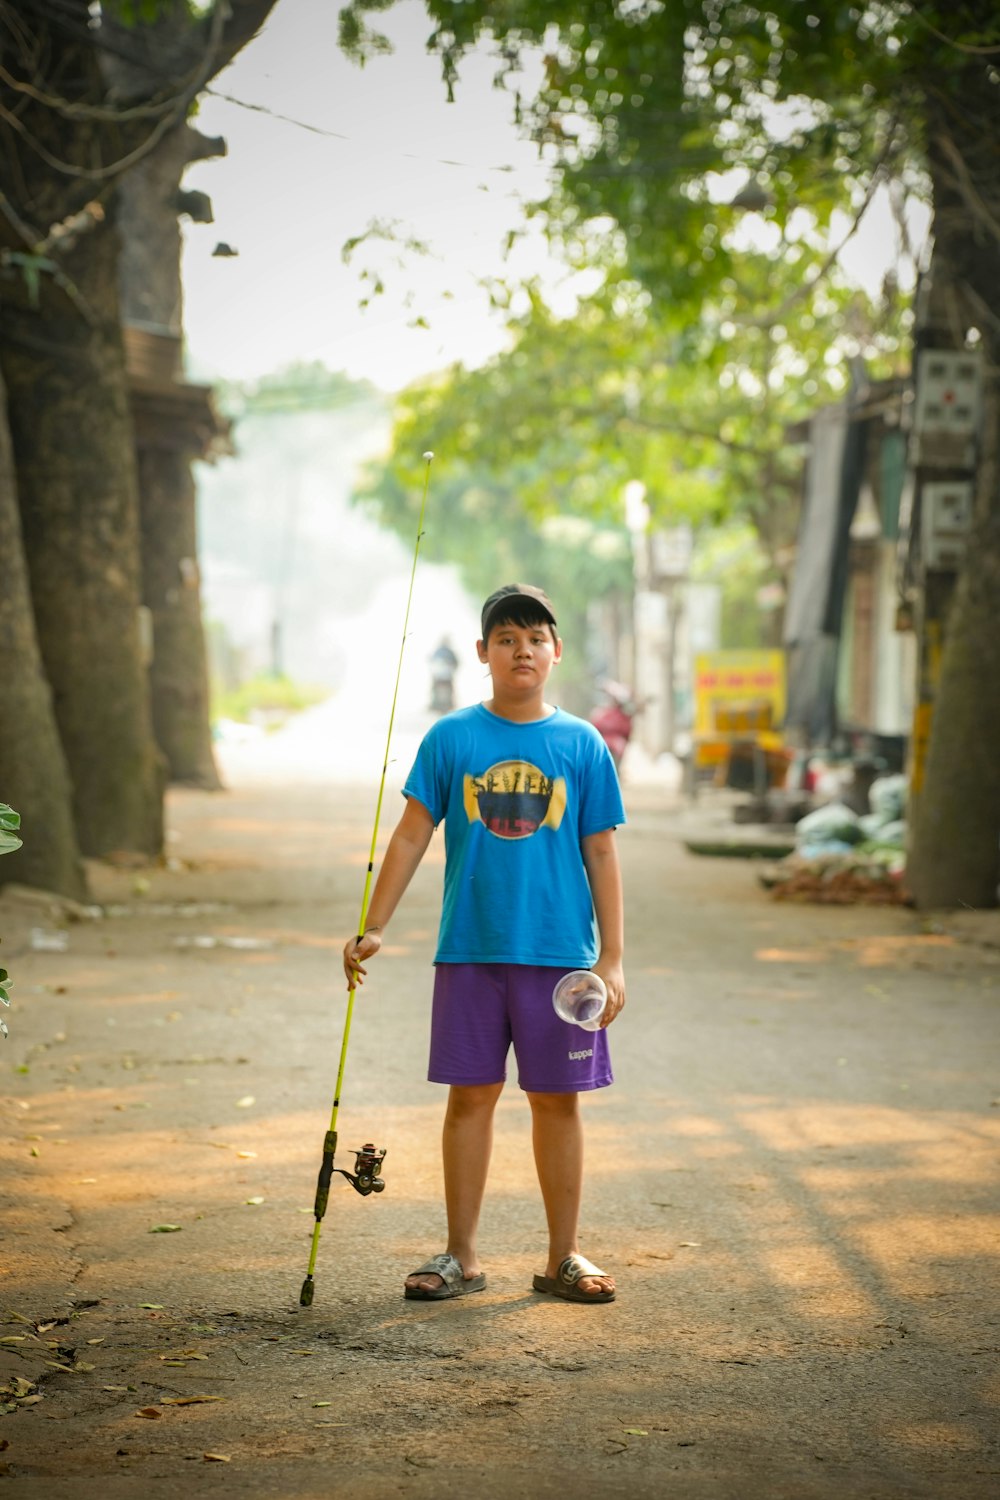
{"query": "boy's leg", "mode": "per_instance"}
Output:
(466, 1144)
(557, 1138)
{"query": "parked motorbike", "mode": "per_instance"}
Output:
(613, 720)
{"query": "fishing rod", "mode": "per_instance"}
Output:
(367, 1175)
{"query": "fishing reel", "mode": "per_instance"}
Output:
(367, 1175)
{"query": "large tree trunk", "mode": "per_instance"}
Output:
(175, 424)
(954, 856)
(63, 360)
(70, 424)
(73, 445)
(171, 588)
(33, 776)
(955, 852)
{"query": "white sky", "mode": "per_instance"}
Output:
(287, 199)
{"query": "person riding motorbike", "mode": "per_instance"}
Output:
(444, 665)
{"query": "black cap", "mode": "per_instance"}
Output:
(510, 593)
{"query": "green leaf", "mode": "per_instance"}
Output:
(9, 821)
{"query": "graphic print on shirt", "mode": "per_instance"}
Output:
(513, 799)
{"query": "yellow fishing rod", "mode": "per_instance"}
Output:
(367, 1175)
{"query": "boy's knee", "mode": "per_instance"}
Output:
(472, 1099)
(556, 1105)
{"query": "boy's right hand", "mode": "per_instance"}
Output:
(356, 950)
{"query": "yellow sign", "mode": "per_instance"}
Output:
(922, 715)
(738, 693)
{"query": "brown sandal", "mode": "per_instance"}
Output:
(564, 1283)
(456, 1283)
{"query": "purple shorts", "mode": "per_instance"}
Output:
(480, 1009)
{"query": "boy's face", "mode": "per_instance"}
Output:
(520, 657)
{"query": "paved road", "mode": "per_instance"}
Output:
(793, 1181)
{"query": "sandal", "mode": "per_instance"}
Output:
(564, 1283)
(456, 1283)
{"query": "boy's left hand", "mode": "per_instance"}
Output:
(614, 982)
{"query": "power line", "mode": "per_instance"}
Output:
(339, 135)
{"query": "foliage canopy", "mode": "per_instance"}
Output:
(699, 151)
(647, 111)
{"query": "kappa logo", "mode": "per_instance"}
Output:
(579, 1056)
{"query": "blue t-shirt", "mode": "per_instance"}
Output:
(516, 800)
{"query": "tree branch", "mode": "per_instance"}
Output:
(801, 293)
(967, 47)
(699, 435)
(74, 109)
(246, 17)
(25, 237)
(177, 112)
(963, 182)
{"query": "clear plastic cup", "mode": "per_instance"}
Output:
(579, 999)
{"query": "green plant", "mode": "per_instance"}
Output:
(10, 821)
(274, 698)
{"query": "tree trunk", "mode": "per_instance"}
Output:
(62, 357)
(954, 858)
(174, 425)
(70, 425)
(73, 447)
(171, 589)
(33, 775)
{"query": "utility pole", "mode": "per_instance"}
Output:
(946, 415)
(662, 561)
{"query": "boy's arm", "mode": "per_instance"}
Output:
(600, 856)
(405, 851)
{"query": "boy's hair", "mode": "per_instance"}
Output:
(521, 604)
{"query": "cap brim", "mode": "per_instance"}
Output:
(497, 610)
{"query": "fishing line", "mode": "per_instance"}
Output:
(367, 1175)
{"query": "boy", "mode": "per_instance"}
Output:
(530, 802)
